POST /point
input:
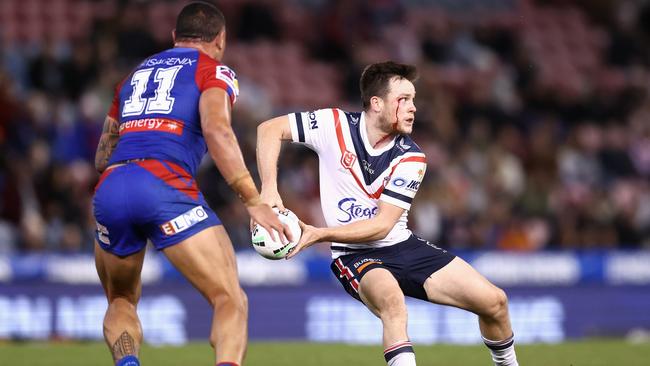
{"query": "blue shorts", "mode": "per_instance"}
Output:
(148, 199)
(411, 262)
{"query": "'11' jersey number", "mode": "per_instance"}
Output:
(161, 102)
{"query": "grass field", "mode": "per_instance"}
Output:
(592, 352)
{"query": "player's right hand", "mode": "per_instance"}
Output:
(263, 215)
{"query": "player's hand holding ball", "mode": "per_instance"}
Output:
(271, 246)
(272, 198)
(310, 236)
(262, 215)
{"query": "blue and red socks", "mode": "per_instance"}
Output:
(129, 360)
(227, 364)
(503, 352)
(400, 354)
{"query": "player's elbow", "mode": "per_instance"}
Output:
(383, 228)
(274, 128)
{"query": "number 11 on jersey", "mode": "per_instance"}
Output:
(161, 102)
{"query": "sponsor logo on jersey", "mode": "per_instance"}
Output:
(364, 263)
(348, 159)
(367, 166)
(351, 210)
(401, 145)
(431, 244)
(414, 185)
(152, 124)
(102, 234)
(184, 221)
(168, 61)
(399, 182)
(228, 76)
(225, 73)
(313, 123)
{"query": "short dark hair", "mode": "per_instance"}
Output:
(200, 21)
(375, 79)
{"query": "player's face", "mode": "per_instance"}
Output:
(399, 107)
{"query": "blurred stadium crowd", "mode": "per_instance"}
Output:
(534, 115)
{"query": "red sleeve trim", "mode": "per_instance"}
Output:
(419, 159)
(205, 77)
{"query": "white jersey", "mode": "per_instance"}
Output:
(354, 175)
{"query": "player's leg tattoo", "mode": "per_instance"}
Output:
(123, 346)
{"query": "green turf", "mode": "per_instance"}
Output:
(592, 353)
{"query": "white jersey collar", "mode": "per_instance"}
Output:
(364, 137)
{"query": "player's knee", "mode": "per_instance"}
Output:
(234, 305)
(498, 304)
(393, 307)
(234, 299)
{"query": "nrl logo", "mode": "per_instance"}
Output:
(348, 159)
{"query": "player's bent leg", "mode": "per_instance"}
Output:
(459, 285)
(381, 293)
(120, 278)
(207, 260)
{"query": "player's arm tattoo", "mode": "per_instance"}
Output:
(107, 143)
(124, 346)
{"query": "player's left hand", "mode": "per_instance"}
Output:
(310, 236)
(263, 215)
(272, 198)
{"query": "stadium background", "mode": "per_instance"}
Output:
(534, 116)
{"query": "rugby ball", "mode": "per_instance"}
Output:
(275, 249)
